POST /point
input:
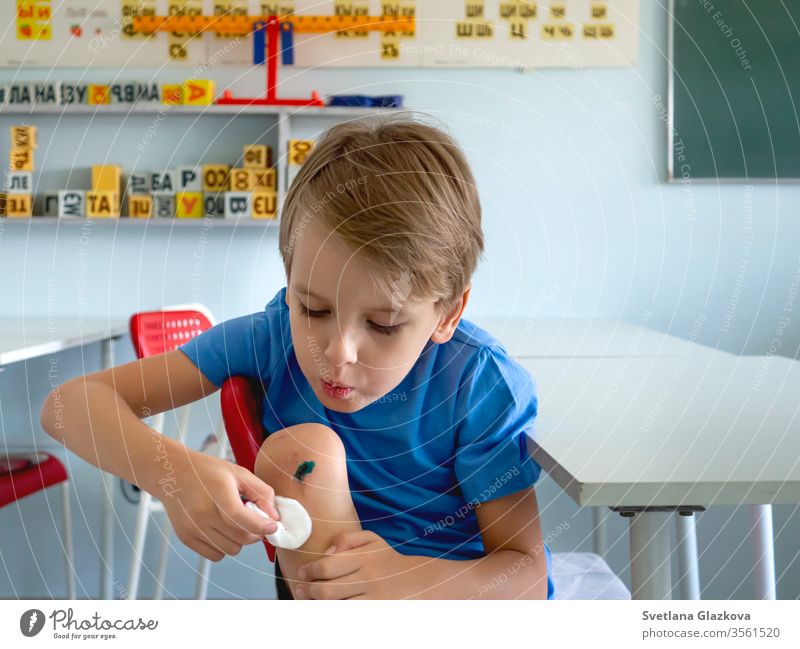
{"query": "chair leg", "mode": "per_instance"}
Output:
(222, 437)
(201, 585)
(204, 567)
(142, 518)
(183, 423)
(69, 552)
(107, 537)
(163, 555)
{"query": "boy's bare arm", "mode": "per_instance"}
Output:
(97, 417)
(515, 565)
(363, 565)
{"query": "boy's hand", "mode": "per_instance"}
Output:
(361, 566)
(206, 510)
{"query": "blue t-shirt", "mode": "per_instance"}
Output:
(449, 436)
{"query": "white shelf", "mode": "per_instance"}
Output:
(284, 115)
(165, 109)
(128, 222)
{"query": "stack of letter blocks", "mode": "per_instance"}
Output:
(214, 190)
(102, 201)
(211, 190)
(17, 199)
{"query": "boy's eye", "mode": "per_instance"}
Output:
(386, 330)
(306, 311)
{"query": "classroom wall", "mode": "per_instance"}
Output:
(579, 222)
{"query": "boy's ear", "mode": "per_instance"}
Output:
(447, 326)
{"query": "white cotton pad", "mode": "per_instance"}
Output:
(294, 528)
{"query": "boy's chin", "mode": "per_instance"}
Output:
(353, 403)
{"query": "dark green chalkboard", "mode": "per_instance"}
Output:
(735, 89)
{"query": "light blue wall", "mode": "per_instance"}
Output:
(579, 223)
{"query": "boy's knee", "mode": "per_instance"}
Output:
(285, 451)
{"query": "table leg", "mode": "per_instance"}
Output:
(763, 551)
(650, 555)
(689, 578)
(107, 522)
(599, 531)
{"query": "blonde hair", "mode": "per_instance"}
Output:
(401, 193)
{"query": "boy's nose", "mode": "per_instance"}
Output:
(341, 349)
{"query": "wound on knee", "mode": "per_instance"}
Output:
(303, 470)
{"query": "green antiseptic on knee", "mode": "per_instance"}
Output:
(303, 470)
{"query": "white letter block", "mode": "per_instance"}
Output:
(139, 183)
(71, 202)
(189, 179)
(164, 206)
(164, 182)
(19, 182)
(237, 204)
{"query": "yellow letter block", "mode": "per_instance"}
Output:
(264, 205)
(265, 179)
(99, 95)
(215, 178)
(106, 178)
(299, 150)
(242, 180)
(257, 156)
(23, 137)
(102, 204)
(189, 205)
(198, 92)
(140, 206)
(19, 205)
(20, 159)
(171, 93)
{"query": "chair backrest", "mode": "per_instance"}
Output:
(242, 419)
(156, 332)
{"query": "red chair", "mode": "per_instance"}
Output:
(23, 474)
(242, 418)
(157, 332)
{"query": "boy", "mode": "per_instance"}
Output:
(411, 420)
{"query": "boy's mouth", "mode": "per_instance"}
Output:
(334, 390)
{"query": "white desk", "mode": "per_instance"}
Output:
(22, 340)
(586, 338)
(714, 429)
(534, 338)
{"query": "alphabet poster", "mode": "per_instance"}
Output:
(447, 33)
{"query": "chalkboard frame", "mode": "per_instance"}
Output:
(705, 180)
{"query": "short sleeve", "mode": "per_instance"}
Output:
(236, 347)
(496, 404)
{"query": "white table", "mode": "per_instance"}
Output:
(712, 429)
(571, 338)
(22, 340)
(532, 338)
